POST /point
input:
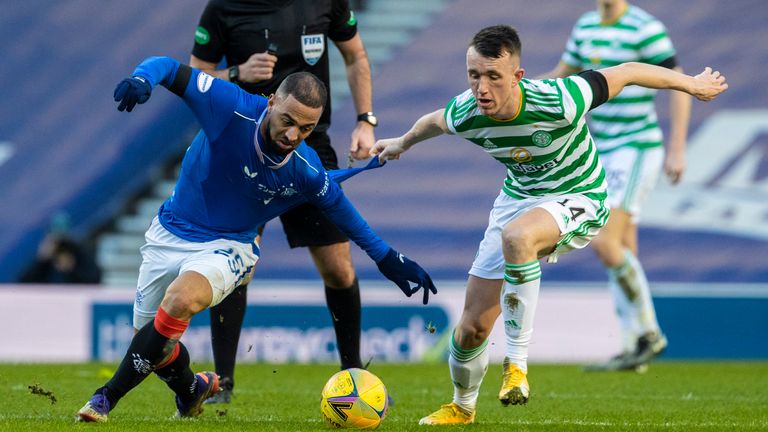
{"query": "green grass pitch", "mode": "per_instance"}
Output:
(671, 396)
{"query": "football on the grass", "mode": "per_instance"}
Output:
(354, 399)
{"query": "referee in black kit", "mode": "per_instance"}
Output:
(263, 42)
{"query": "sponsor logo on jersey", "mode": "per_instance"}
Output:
(520, 154)
(526, 168)
(352, 19)
(541, 138)
(202, 36)
(488, 144)
(312, 47)
(282, 191)
(204, 82)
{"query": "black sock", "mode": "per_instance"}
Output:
(147, 349)
(344, 305)
(226, 322)
(178, 376)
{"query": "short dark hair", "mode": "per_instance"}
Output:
(492, 41)
(305, 88)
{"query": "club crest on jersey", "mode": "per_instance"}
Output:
(204, 82)
(541, 138)
(520, 154)
(312, 47)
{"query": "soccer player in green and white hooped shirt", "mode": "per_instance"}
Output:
(552, 199)
(629, 141)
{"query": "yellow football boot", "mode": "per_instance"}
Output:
(514, 385)
(449, 414)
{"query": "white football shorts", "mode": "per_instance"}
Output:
(164, 257)
(631, 174)
(578, 217)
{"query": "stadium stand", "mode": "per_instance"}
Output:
(71, 150)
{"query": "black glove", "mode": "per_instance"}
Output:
(400, 270)
(131, 91)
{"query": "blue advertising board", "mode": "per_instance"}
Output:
(288, 333)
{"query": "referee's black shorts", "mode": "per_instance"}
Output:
(306, 225)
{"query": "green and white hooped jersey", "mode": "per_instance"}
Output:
(546, 148)
(629, 119)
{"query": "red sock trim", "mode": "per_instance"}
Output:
(174, 355)
(168, 326)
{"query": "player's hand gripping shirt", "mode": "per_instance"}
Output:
(546, 148)
(230, 183)
(629, 119)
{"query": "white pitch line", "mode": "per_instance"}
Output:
(520, 422)
(685, 397)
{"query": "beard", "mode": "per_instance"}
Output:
(272, 146)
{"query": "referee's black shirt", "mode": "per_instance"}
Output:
(236, 29)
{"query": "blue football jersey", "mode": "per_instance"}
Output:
(230, 182)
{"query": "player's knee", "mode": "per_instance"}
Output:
(339, 277)
(609, 251)
(517, 240)
(181, 306)
(600, 245)
(472, 333)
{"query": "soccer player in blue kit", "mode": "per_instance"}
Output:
(247, 165)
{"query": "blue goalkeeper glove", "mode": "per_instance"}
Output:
(402, 271)
(131, 91)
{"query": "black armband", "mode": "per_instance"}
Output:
(599, 86)
(669, 63)
(180, 81)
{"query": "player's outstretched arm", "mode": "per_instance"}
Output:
(213, 101)
(409, 276)
(428, 126)
(137, 88)
(406, 274)
(705, 86)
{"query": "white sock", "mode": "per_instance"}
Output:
(647, 313)
(519, 296)
(468, 368)
(632, 297)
